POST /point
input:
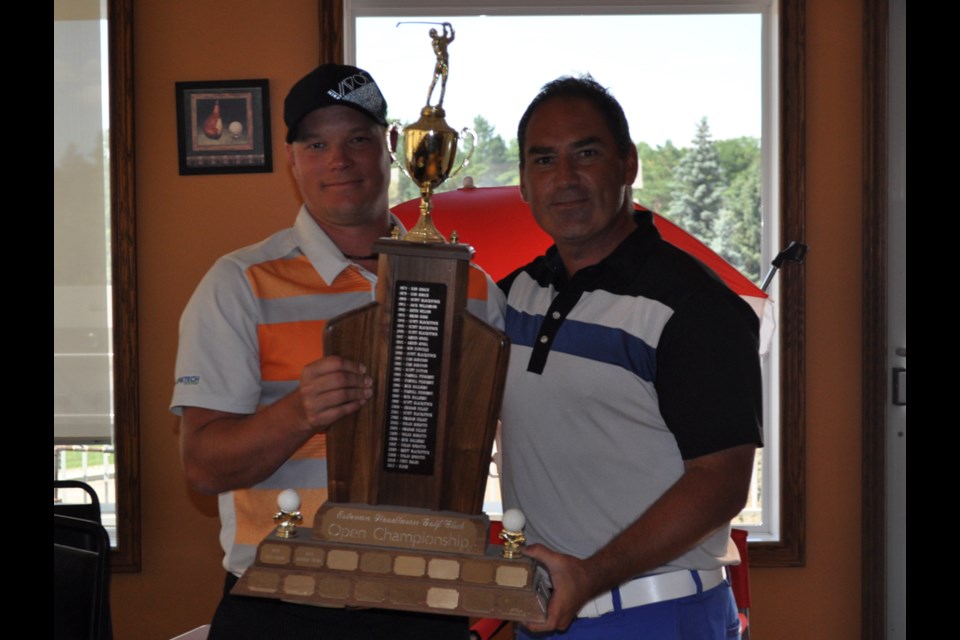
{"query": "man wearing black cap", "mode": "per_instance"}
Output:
(253, 387)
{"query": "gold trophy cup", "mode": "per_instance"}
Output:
(429, 146)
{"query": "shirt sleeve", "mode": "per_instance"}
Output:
(218, 361)
(708, 375)
(485, 299)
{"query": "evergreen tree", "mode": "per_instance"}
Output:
(738, 231)
(698, 187)
(491, 165)
(737, 155)
(657, 166)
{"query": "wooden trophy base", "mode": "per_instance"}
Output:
(397, 558)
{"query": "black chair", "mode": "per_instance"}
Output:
(84, 511)
(81, 580)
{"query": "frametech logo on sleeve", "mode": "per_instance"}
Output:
(188, 380)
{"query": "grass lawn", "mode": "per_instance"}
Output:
(74, 459)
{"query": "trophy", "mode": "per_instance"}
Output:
(403, 526)
(430, 144)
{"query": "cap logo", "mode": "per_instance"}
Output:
(348, 85)
(361, 90)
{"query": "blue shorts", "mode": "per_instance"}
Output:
(709, 615)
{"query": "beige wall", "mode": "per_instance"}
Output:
(822, 600)
(185, 223)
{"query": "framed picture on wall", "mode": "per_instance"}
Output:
(224, 127)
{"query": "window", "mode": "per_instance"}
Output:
(95, 366)
(779, 68)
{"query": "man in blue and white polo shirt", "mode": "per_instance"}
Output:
(632, 410)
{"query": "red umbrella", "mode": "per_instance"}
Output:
(500, 226)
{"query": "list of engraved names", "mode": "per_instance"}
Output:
(414, 374)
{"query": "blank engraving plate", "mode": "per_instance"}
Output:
(413, 394)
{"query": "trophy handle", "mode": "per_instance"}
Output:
(393, 135)
(466, 132)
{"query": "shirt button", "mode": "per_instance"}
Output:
(556, 315)
(543, 339)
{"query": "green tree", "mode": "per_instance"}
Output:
(491, 164)
(738, 230)
(657, 166)
(737, 155)
(698, 187)
(512, 174)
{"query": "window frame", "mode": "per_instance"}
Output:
(126, 555)
(123, 233)
(789, 549)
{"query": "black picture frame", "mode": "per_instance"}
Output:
(223, 126)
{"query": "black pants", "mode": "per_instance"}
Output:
(245, 618)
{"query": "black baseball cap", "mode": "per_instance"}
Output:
(333, 85)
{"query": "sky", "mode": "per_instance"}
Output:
(666, 71)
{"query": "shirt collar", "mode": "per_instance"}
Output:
(630, 254)
(320, 250)
(625, 260)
